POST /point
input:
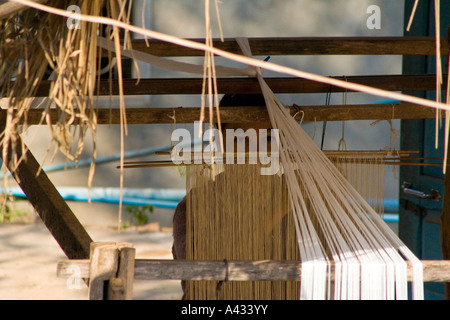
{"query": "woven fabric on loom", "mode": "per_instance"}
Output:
(241, 215)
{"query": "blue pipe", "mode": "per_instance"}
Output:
(390, 217)
(160, 198)
(386, 101)
(391, 205)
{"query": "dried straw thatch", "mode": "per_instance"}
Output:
(38, 46)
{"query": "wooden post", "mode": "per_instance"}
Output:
(445, 216)
(111, 271)
(121, 287)
(445, 223)
(104, 260)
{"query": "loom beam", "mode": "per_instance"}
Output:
(248, 114)
(149, 269)
(303, 46)
(239, 85)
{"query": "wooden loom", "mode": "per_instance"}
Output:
(250, 114)
(76, 242)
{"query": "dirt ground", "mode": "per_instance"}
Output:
(29, 256)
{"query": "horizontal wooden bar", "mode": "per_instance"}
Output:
(168, 86)
(248, 114)
(401, 110)
(433, 270)
(306, 46)
(287, 46)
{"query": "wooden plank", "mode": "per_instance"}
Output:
(364, 112)
(168, 86)
(250, 114)
(48, 203)
(433, 270)
(305, 46)
(259, 114)
(286, 46)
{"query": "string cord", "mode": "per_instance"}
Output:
(342, 145)
(324, 128)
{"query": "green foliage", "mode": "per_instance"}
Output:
(5, 214)
(140, 213)
(8, 215)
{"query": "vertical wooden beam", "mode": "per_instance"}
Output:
(445, 224)
(412, 135)
(121, 287)
(445, 216)
(111, 271)
(104, 259)
(48, 203)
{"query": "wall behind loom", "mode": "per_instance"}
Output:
(252, 18)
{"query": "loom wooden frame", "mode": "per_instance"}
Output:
(76, 245)
(273, 270)
(240, 85)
